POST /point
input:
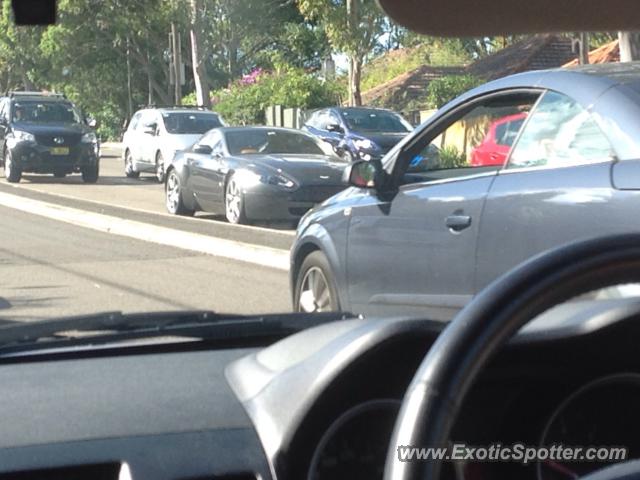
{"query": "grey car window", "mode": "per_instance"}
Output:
(559, 133)
(466, 143)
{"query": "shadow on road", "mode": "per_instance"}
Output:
(291, 225)
(76, 179)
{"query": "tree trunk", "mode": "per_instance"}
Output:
(355, 60)
(197, 62)
(355, 75)
(629, 46)
(129, 94)
(583, 56)
(149, 81)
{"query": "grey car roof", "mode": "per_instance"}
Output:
(579, 81)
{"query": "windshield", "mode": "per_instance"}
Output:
(263, 141)
(190, 123)
(362, 120)
(204, 155)
(46, 112)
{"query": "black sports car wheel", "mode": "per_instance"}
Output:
(173, 195)
(234, 202)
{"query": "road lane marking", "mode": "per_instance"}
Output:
(244, 252)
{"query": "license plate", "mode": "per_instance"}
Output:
(59, 150)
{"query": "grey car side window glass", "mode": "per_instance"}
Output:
(480, 138)
(560, 132)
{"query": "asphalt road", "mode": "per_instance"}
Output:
(114, 189)
(51, 269)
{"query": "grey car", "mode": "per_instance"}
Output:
(425, 230)
(253, 174)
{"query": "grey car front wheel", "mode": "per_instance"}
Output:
(315, 286)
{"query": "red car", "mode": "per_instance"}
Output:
(496, 144)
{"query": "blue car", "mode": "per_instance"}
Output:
(358, 133)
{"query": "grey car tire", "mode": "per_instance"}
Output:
(315, 289)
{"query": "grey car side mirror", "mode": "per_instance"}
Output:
(362, 174)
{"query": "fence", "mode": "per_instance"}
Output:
(276, 116)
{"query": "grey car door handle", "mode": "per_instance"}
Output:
(458, 222)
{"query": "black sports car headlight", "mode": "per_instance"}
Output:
(282, 181)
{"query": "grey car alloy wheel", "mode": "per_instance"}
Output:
(315, 294)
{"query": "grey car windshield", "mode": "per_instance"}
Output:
(374, 121)
(190, 123)
(263, 141)
(51, 112)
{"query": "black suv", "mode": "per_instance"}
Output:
(46, 133)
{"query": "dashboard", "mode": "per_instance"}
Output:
(320, 404)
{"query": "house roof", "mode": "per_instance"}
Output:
(538, 52)
(607, 53)
(403, 89)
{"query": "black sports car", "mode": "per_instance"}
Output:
(253, 173)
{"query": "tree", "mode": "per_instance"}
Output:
(442, 90)
(629, 46)
(199, 66)
(353, 27)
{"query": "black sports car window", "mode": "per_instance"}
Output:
(265, 141)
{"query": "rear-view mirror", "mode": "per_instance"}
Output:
(92, 122)
(202, 149)
(362, 174)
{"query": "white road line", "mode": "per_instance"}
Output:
(244, 252)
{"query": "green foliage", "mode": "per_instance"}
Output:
(290, 87)
(445, 89)
(450, 157)
(353, 39)
(392, 64)
(432, 51)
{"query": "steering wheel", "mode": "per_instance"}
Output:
(433, 399)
